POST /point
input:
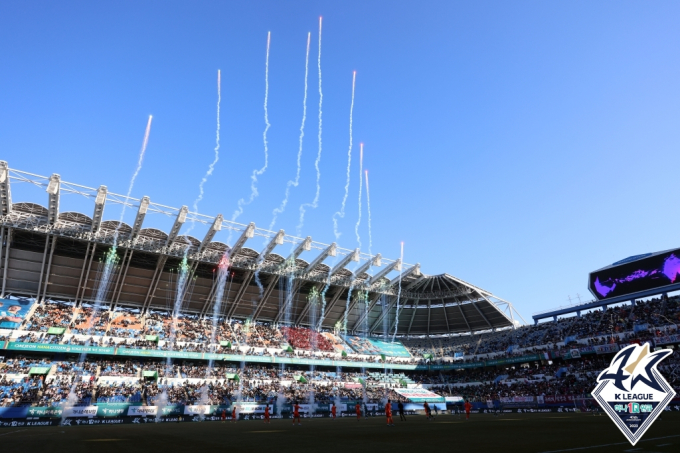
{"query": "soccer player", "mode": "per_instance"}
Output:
(357, 408)
(333, 410)
(400, 407)
(296, 413)
(233, 414)
(224, 415)
(266, 413)
(388, 413)
(428, 414)
(467, 406)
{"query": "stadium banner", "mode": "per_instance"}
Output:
(509, 360)
(113, 409)
(254, 408)
(376, 346)
(159, 353)
(606, 348)
(420, 395)
(456, 366)
(492, 362)
(142, 411)
(72, 348)
(46, 412)
(558, 399)
(13, 312)
(517, 399)
(337, 343)
(198, 410)
(128, 352)
(667, 339)
(14, 412)
(80, 411)
(171, 410)
(586, 350)
(26, 423)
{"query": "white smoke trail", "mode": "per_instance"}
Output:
(134, 176)
(110, 262)
(296, 181)
(253, 184)
(315, 203)
(361, 180)
(211, 167)
(396, 320)
(368, 208)
(341, 212)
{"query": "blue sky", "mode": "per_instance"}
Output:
(516, 145)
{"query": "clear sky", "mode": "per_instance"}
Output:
(516, 145)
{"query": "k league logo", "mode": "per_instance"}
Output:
(632, 391)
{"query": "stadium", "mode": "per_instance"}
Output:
(235, 347)
(155, 320)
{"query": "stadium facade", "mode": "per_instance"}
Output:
(48, 253)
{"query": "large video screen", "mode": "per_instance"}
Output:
(648, 273)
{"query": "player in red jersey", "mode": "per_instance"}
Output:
(388, 413)
(333, 410)
(428, 414)
(266, 413)
(468, 407)
(357, 408)
(296, 413)
(224, 415)
(233, 414)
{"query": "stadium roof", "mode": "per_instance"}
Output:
(50, 254)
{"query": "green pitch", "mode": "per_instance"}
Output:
(538, 433)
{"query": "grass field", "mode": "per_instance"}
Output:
(483, 433)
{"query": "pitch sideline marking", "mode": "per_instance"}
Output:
(11, 432)
(609, 445)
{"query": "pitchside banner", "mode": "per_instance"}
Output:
(420, 395)
(80, 411)
(142, 411)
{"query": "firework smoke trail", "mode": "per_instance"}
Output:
(315, 203)
(368, 208)
(110, 261)
(253, 185)
(182, 280)
(344, 317)
(134, 176)
(295, 182)
(341, 212)
(396, 320)
(222, 275)
(361, 180)
(356, 231)
(211, 167)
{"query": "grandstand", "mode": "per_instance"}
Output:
(132, 355)
(48, 254)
